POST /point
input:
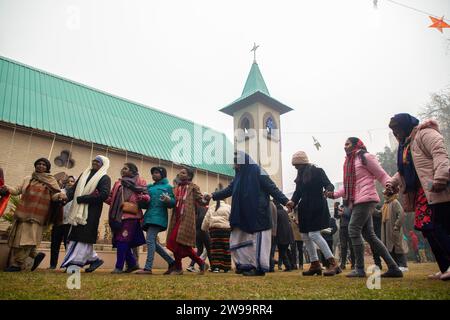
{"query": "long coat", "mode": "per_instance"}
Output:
(313, 212)
(394, 239)
(88, 233)
(263, 218)
(187, 231)
(156, 213)
(284, 230)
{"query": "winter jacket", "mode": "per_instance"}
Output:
(365, 190)
(156, 213)
(219, 219)
(431, 162)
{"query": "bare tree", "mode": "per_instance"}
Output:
(439, 109)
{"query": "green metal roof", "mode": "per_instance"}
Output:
(255, 90)
(255, 82)
(39, 100)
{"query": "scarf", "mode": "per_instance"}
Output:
(86, 185)
(350, 172)
(127, 187)
(181, 192)
(406, 166)
(34, 205)
(386, 209)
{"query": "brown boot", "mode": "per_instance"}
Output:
(333, 268)
(315, 268)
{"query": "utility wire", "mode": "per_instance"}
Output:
(415, 9)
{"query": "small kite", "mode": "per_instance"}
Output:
(316, 143)
(439, 23)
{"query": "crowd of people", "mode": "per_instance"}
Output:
(259, 220)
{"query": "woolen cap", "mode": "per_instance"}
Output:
(300, 157)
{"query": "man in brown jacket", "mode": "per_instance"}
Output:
(423, 177)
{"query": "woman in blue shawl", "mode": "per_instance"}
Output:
(250, 219)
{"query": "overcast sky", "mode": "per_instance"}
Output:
(344, 67)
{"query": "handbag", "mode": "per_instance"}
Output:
(129, 207)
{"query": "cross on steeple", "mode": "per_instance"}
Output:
(254, 51)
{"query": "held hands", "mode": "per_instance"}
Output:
(329, 194)
(290, 205)
(207, 197)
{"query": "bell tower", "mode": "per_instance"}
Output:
(257, 123)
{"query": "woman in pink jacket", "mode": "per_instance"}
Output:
(361, 169)
(423, 177)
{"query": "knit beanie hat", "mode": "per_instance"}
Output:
(300, 157)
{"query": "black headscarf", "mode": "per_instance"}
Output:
(405, 165)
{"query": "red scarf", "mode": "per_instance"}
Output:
(180, 195)
(350, 172)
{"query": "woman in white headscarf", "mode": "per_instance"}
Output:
(91, 189)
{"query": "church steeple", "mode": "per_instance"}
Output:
(255, 82)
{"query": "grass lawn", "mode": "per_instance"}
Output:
(44, 284)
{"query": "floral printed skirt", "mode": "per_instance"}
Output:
(422, 219)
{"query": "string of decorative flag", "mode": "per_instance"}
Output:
(437, 23)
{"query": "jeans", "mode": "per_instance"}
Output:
(346, 244)
(312, 238)
(361, 225)
(322, 257)
(202, 241)
(153, 246)
(400, 258)
(124, 253)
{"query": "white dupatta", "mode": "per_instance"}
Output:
(78, 213)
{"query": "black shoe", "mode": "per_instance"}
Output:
(254, 273)
(356, 273)
(37, 261)
(132, 269)
(239, 271)
(52, 268)
(392, 273)
(13, 269)
(94, 265)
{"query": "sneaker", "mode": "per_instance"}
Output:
(37, 260)
(203, 268)
(403, 269)
(392, 273)
(94, 265)
(216, 270)
(13, 269)
(144, 271)
(132, 269)
(356, 273)
(117, 271)
(176, 272)
(191, 269)
(254, 273)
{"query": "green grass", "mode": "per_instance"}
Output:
(279, 285)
